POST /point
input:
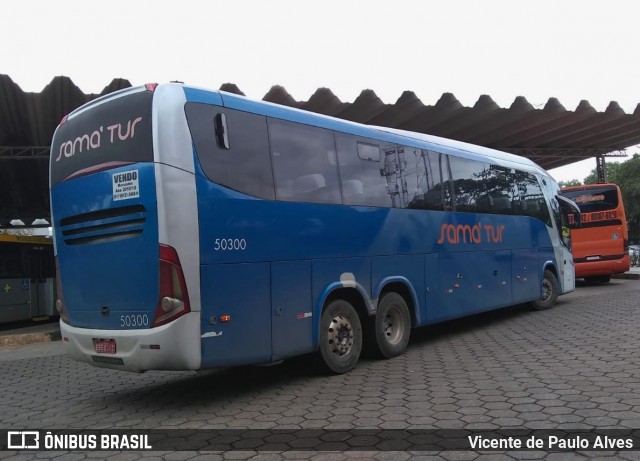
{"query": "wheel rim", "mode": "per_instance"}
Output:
(546, 289)
(393, 326)
(340, 337)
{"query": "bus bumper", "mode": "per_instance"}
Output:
(607, 267)
(174, 346)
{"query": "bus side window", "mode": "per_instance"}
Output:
(502, 196)
(470, 186)
(532, 199)
(362, 171)
(232, 147)
(422, 184)
(435, 197)
(304, 163)
(12, 263)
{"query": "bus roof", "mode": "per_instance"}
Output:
(501, 158)
(383, 133)
(266, 108)
(592, 186)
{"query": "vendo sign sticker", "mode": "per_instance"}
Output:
(126, 185)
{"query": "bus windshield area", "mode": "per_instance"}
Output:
(594, 199)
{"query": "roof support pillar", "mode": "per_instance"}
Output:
(601, 171)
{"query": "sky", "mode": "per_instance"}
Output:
(567, 49)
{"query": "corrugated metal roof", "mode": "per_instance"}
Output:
(551, 136)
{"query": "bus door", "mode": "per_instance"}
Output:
(41, 283)
(236, 318)
(569, 219)
(34, 268)
(15, 299)
(291, 308)
(15, 290)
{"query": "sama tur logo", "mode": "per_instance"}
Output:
(94, 140)
(465, 233)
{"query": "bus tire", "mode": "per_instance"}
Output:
(388, 332)
(549, 292)
(340, 337)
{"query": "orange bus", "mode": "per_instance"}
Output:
(601, 243)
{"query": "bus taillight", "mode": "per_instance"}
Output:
(60, 307)
(173, 300)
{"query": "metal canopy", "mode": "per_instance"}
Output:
(551, 136)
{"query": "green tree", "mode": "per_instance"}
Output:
(592, 178)
(611, 170)
(571, 182)
(627, 176)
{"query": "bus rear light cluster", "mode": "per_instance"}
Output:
(173, 300)
(171, 304)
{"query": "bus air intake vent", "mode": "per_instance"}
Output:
(103, 226)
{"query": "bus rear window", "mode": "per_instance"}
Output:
(111, 132)
(594, 198)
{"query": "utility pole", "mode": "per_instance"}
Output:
(601, 172)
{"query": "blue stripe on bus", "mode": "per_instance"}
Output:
(384, 246)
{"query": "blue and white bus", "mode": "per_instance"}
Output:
(199, 229)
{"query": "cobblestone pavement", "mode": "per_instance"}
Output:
(576, 366)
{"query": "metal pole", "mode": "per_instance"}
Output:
(601, 172)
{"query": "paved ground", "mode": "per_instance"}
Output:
(576, 366)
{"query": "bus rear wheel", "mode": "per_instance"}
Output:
(340, 337)
(388, 332)
(549, 292)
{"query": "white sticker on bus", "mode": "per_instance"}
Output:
(126, 185)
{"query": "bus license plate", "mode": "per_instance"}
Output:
(105, 346)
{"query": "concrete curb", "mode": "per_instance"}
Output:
(30, 338)
(627, 275)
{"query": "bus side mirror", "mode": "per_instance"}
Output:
(570, 210)
(573, 220)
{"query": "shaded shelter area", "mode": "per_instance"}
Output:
(551, 136)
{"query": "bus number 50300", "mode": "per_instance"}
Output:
(134, 320)
(230, 245)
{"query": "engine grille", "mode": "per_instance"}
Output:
(103, 225)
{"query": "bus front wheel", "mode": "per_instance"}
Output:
(388, 332)
(549, 292)
(340, 337)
